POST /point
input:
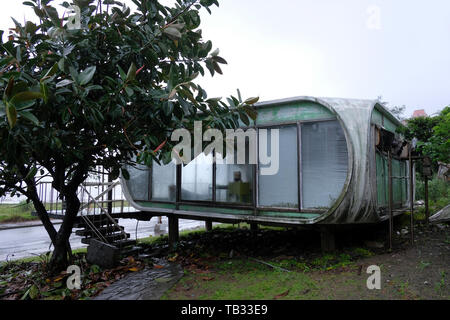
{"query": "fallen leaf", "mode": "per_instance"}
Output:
(158, 266)
(208, 278)
(172, 259)
(282, 294)
(134, 269)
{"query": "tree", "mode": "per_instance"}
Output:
(398, 112)
(432, 133)
(69, 105)
(438, 146)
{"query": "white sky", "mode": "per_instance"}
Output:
(328, 48)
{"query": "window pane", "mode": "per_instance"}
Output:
(324, 163)
(164, 182)
(281, 190)
(138, 183)
(234, 182)
(196, 180)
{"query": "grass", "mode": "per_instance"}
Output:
(43, 257)
(244, 279)
(21, 212)
(438, 196)
(16, 212)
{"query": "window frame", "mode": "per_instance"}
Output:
(255, 184)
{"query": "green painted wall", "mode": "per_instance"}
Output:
(399, 185)
(379, 118)
(294, 111)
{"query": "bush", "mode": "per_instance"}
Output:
(437, 189)
(438, 195)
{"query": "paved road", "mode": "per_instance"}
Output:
(24, 242)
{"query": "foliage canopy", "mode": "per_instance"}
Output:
(111, 89)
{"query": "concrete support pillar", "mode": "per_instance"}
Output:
(327, 239)
(173, 231)
(254, 227)
(208, 225)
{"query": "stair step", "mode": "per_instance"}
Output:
(125, 243)
(97, 222)
(112, 238)
(131, 251)
(87, 232)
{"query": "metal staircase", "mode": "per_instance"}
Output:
(102, 227)
(95, 218)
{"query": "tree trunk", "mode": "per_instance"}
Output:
(62, 254)
(43, 214)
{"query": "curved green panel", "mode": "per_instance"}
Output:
(293, 111)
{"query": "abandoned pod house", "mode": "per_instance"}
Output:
(335, 156)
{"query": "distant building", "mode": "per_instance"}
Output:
(419, 113)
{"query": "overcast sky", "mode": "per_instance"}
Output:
(397, 49)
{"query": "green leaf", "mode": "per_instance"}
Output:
(29, 116)
(122, 73)
(61, 64)
(252, 100)
(131, 75)
(251, 112)
(244, 118)
(26, 96)
(217, 68)
(87, 75)
(178, 26)
(168, 108)
(52, 71)
(52, 13)
(172, 33)
(31, 174)
(11, 114)
(44, 91)
(9, 88)
(219, 60)
(129, 91)
(64, 83)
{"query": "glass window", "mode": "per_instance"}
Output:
(138, 182)
(234, 182)
(196, 179)
(164, 182)
(281, 189)
(324, 160)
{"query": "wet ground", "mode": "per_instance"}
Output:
(148, 284)
(20, 242)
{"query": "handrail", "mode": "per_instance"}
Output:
(105, 212)
(53, 202)
(111, 187)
